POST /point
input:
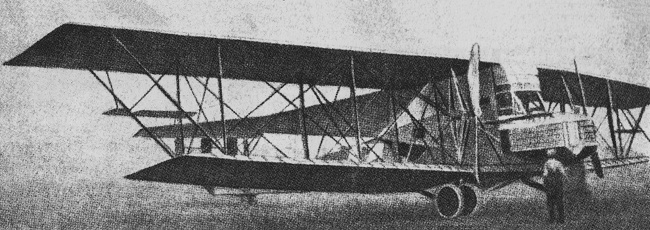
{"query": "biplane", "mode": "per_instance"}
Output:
(447, 128)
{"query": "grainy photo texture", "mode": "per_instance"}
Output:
(350, 114)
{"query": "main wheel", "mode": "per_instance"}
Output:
(472, 199)
(448, 201)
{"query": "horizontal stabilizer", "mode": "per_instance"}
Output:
(149, 113)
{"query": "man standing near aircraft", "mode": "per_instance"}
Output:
(554, 175)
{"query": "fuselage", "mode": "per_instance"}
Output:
(515, 126)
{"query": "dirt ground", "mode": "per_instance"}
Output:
(621, 200)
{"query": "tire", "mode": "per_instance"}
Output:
(472, 199)
(448, 201)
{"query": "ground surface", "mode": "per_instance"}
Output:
(619, 201)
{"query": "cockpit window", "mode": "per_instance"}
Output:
(504, 103)
(531, 101)
(518, 103)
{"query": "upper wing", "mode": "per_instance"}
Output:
(335, 118)
(74, 46)
(624, 95)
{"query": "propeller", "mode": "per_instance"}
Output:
(474, 97)
(473, 79)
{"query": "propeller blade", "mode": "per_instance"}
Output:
(473, 79)
(474, 97)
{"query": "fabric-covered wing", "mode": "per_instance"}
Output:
(301, 175)
(374, 115)
(624, 95)
(74, 46)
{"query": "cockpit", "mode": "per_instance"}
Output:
(519, 103)
(517, 93)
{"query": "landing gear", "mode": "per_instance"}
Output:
(448, 201)
(451, 201)
(472, 199)
(598, 168)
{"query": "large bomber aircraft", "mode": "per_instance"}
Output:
(423, 128)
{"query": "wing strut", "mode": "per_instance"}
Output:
(394, 109)
(303, 125)
(327, 103)
(610, 120)
(117, 99)
(337, 112)
(582, 89)
(618, 127)
(240, 117)
(636, 128)
(164, 92)
(322, 139)
(353, 94)
(180, 140)
(200, 112)
(291, 102)
(221, 101)
(110, 83)
(568, 93)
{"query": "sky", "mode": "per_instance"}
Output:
(53, 130)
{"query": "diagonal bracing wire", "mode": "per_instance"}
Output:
(149, 90)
